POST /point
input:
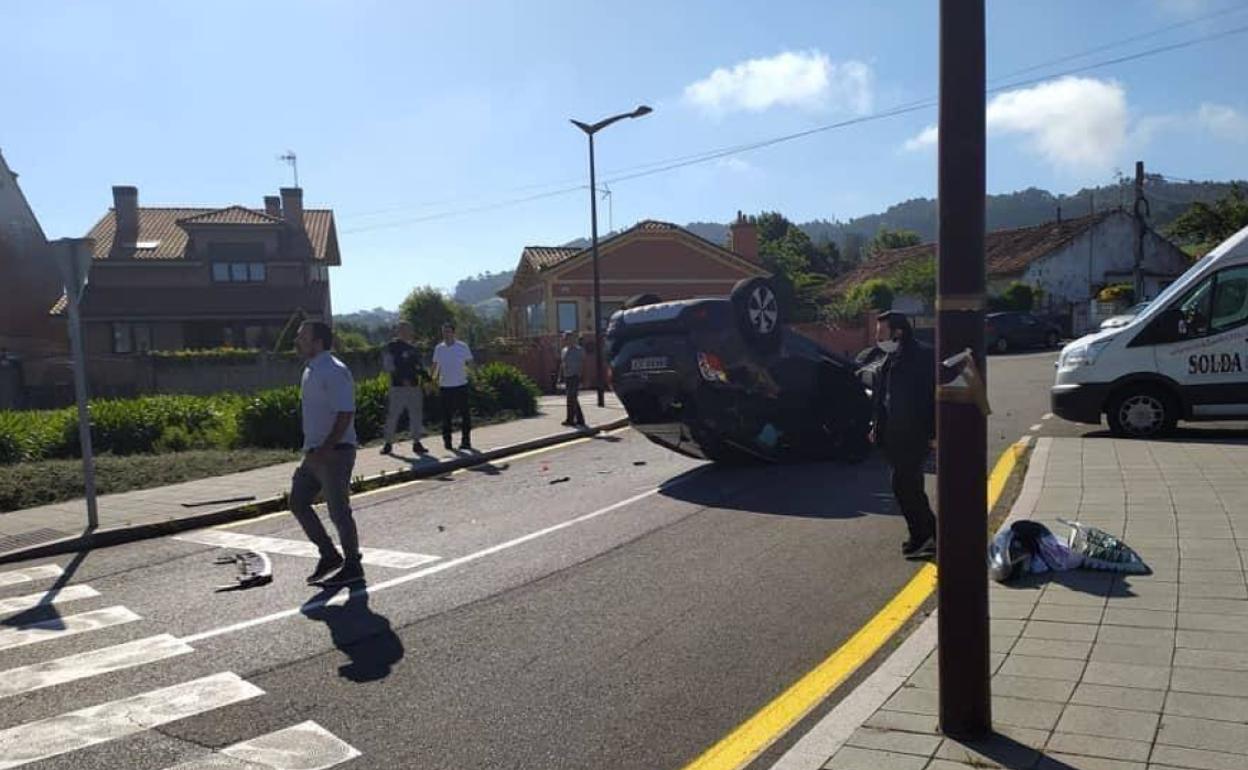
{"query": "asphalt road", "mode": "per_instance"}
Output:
(606, 604)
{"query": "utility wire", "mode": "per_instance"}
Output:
(710, 155)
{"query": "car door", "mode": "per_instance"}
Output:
(1207, 350)
(1031, 330)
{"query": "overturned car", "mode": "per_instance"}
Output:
(724, 380)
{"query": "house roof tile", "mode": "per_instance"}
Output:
(163, 237)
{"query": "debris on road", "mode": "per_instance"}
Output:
(254, 569)
(222, 501)
(639, 462)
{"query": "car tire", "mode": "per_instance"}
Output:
(1002, 345)
(1051, 340)
(638, 300)
(1142, 411)
(757, 306)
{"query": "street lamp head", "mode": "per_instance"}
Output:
(642, 110)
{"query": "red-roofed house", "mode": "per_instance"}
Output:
(553, 287)
(170, 278)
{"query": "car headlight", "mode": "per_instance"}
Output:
(1083, 354)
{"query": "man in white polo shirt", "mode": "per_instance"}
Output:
(328, 407)
(450, 365)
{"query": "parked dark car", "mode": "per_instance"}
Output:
(1004, 332)
(724, 380)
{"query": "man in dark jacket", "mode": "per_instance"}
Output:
(905, 424)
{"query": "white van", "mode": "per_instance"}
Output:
(1184, 358)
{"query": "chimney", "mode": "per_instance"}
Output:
(126, 214)
(273, 206)
(743, 238)
(292, 206)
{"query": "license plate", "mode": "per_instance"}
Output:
(649, 363)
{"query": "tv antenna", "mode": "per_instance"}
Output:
(289, 158)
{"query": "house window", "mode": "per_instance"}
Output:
(536, 318)
(131, 338)
(567, 316)
(318, 273)
(239, 272)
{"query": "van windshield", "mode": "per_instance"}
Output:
(1170, 291)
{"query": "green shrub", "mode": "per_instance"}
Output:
(1118, 292)
(370, 407)
(514, 391)
(876, 294)
(271, 419)
(174, 438)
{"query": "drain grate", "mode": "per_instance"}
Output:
(33, 537)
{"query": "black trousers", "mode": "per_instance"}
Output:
(573, 387)
(907, 459)
(455, 400)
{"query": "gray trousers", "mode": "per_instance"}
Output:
(333, 479)
(409, 398)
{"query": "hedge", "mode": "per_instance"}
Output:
(269, 419)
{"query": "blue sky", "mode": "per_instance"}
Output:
(402, 113)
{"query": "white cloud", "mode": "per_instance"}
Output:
(1076, 124)
(733, 164)
(1223, 121)
(803, 79)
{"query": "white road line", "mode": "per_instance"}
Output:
(376, 556)
(70, 625)
(17, 681)
(378, 587)
(47, 598)
(42, 572)
(1035, 428)
(306, 746)
(35, 741)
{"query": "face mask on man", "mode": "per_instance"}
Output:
(888, 346)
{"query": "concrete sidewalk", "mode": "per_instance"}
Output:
(180, 506)
(1091, 670)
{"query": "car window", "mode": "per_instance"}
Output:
(1028, 320)
(1194, 310)
(1230, 299)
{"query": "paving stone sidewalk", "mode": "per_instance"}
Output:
(1091, 670)
(34, 526)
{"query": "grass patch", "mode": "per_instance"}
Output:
(25, 485)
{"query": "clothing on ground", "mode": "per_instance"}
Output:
(326, 390)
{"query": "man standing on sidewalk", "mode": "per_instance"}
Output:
(905, 424)
(571, 364)
(450, 365)
(401, 358)
(328, 407)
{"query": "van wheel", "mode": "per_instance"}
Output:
(1142, 411)
(758, 311)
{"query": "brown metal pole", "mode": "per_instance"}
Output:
(962, 591)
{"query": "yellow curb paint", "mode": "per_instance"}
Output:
(403, 484)
(752, 737)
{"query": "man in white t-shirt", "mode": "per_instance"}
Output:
(450, 366)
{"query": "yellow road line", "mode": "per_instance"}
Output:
(753, 736)
(401, 485)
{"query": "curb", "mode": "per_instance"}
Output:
(105, 538)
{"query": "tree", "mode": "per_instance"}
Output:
(886, 239)
(475, 328)
(1206, 226)
(350, 339)
(1019, 296)
(873, 294)
(427, 309)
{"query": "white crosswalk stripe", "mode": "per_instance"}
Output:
(30, 574)
(16, 604)
(18, 681)
(35, 741)
(70, 625)
(376, 556)
(306, 746)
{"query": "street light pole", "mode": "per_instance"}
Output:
(590, 130)
(962, 591)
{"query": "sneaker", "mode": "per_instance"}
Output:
(386, 449)
(419, 448)
(446, 442)
(325, 566)
(465, 447)
(350, 573)
(921, 550)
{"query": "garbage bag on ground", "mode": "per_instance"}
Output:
(1028, 547)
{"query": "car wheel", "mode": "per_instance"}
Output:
(1002, 345)
(758, 311)
(1142, 412)
(1051, 339)
(638, 300)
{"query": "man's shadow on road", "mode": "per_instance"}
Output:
(364, 636)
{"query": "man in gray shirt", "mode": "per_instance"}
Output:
(571, 363)
(328, 411)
